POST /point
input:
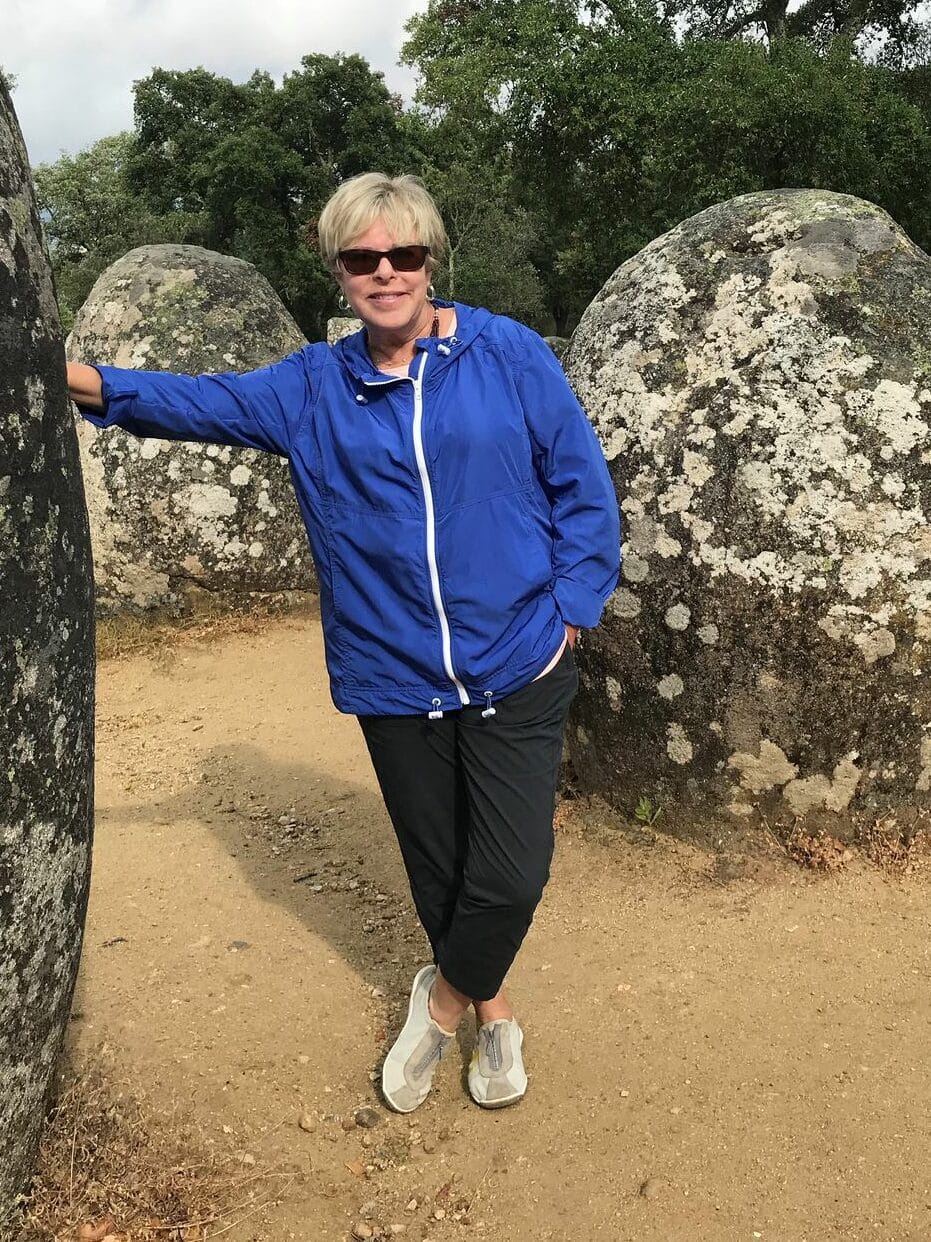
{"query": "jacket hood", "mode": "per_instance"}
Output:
(471, 321)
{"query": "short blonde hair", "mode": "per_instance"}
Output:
(403, 203)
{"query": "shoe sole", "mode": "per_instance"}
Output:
(509, 1100)
(410, 1013)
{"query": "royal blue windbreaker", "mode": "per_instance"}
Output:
(457, 517)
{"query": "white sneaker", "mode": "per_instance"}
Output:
(496, 1073)
(407, 1073)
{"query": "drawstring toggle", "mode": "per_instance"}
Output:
(436, 714)
(489, 710)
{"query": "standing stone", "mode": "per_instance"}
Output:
(46, 678)
(168, 516)
(760, 379)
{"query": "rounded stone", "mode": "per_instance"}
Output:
(46, 678)
(170, 517)
(760, 380)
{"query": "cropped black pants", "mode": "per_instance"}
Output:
(471, 798)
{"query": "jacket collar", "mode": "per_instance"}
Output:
(470, 321)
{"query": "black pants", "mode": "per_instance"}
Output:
(471, 799)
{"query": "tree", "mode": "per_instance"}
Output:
(616, 128)
(91, 217)
(258, 161)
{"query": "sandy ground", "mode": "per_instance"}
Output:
(709, 1059)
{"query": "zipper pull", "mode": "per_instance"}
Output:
(489, 710)
(436, 714)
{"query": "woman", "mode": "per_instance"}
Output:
(463, 526)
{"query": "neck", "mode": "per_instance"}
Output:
(394, 348)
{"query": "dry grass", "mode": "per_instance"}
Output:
(109, 1169)
(128, 634)
(895, 848)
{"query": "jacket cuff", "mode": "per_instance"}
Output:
(118, 389)
(578, 605)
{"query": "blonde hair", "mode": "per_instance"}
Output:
(403, 204)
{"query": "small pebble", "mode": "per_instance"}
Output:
(348, 1123)
(369, 1209)
(303, 1059)
(306, 1122)
(652, 1188)
(367, 1140)
(362, 1230)
(248, 1159)
(367, 1118)
(412, 1206)
(439, 1213)
(397, 1229)
(429, 1146)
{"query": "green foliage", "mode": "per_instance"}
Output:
(558, 136)
(91, 217)
(617, 128)
(645, 812)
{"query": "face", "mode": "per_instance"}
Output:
(388, 302)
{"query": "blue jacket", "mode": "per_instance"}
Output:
(457, 518)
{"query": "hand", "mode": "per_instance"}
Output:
(572, 633)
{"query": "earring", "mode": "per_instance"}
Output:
(431, 292)
(342, 303)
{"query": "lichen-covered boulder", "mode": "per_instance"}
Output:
(337, 328)
(760, 379)
(46, 678)
(168, 516)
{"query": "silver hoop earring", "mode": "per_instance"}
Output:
(342, 303)
(431, 292)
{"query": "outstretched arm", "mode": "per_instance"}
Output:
(258, 409)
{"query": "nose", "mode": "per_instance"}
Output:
(384, 271)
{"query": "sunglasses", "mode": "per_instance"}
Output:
(401, 258)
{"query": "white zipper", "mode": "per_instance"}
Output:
(431, 533)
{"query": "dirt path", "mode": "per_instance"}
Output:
(755, 1051)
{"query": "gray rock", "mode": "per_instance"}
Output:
(760, 379)
(336, 329)
(46, 678)
(169, 518)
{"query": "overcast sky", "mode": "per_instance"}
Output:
(75, 61)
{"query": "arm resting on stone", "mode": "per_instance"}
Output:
(257, 409)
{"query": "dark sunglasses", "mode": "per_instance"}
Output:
(401, 258)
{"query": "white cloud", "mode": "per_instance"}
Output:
(75, 61)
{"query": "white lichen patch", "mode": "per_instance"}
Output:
(678, 746)
(758, 773)
(923, 784)
(819, 791)
(709, 634)
(613, 691)
(670, 686)
(624, 604)
(677, 617)
(240, 476)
